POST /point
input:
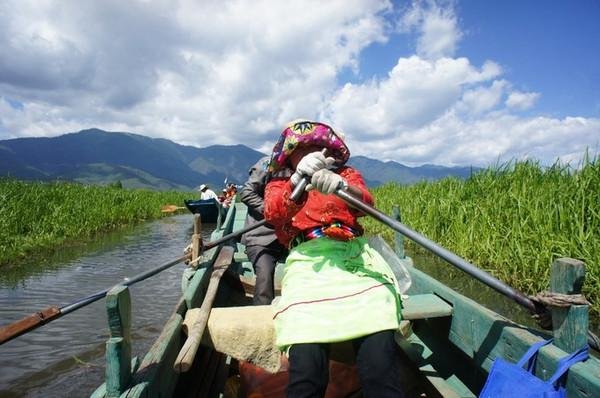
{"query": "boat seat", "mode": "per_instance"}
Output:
(229, 326)
(421, 306)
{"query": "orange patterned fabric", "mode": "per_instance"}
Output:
(314, 209)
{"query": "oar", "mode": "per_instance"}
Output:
(171, 208)
(186, 356)
(49, 314)
(452, 258)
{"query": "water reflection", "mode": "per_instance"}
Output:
(66, 356)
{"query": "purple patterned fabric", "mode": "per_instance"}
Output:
(304, 133)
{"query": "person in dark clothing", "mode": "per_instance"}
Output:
(262, 247)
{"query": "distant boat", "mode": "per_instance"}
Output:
(209, 209)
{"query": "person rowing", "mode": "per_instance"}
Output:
(335, 287)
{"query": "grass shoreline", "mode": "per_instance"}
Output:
(39, 216)
(512, 220)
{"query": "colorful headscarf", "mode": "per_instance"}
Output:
(304, 133)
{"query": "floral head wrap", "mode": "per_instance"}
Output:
(305, 133)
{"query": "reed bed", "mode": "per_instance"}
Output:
(38, 216)
(512, 220)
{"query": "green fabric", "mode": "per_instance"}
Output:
(335, 291)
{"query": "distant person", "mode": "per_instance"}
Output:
(206, 192)
(262, 247)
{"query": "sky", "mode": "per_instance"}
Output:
(453, 83)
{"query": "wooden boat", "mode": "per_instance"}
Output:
(449, 346)
(209, 209)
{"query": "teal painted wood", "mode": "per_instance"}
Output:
(421, 355)
(155, 377)
(229, 219)
(482, 335)
(196, 288)
(100, 392)
(118, 346)
(570, 324)
(240, 254)
(420, 306)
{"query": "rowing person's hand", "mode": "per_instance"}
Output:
(310, 164)
(326, 181)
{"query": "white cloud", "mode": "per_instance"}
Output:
(521, 101)
(436, 26)
(228, 72)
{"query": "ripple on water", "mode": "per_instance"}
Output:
(65, 357)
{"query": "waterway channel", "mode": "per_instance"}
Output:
(66, 357)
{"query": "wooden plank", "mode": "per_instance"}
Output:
(421, 355)
(155, 376)
(118, 346)
(100, 392)
(569, 324)
(483, 336)
(196, 288)
(422, 306)
(188, 351)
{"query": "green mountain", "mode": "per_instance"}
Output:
(99, 157)
(376, 172)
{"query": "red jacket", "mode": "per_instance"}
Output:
(315, 209)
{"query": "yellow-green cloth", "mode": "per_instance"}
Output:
(335, 291)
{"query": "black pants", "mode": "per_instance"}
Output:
(264, 259)
(377, 359)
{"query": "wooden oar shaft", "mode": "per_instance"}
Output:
(232, 235)
(49, 314)
(454, 259)
(29, 323)
(446, 254)
(186, 356)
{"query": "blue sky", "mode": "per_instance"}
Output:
(443, 82)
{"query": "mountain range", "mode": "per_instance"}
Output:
(95, 156)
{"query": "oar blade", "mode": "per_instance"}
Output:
(171, 208)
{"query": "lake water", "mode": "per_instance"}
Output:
(66, 357)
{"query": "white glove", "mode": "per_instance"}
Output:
(309, 164)
(326, 181)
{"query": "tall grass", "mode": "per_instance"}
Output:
(513, 220)
(37, 216)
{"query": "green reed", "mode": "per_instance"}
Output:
(512, 220)
(41, 216)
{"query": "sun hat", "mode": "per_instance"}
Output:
(202, 187)
(303, 133)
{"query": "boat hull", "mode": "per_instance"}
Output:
(209, 209)
(450, 345)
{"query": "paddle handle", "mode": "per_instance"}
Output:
(186, 356)
(28, 323)
(232, 235)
